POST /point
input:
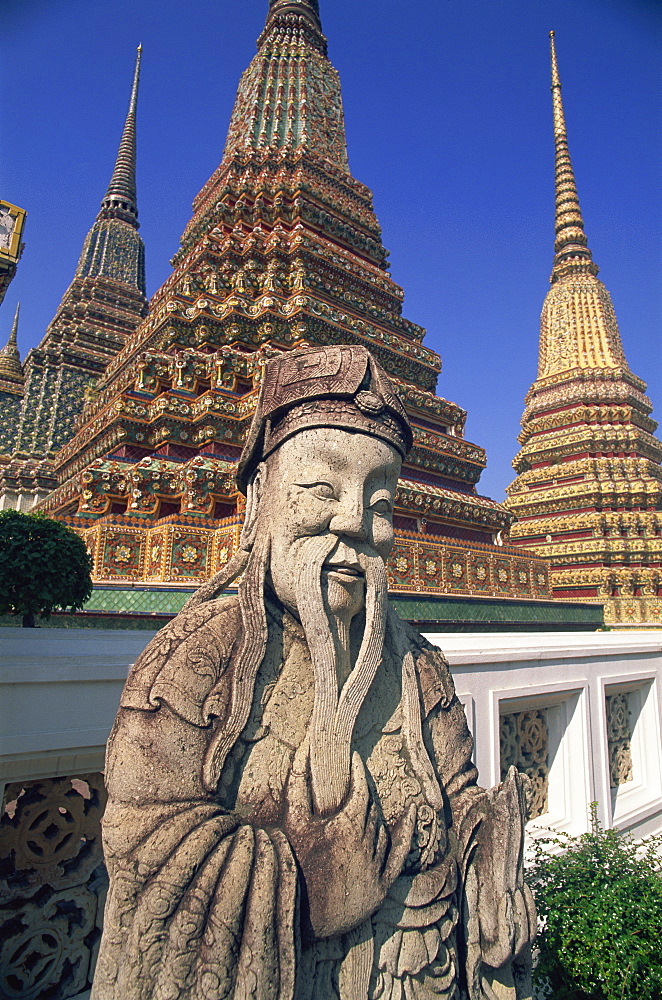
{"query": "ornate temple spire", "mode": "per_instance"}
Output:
(10, 359)
(578, 327)
(10, 350)
(120, 199)
(113, 248)
(589, 484)
(571, 243)
(14, 328)
(289, 97)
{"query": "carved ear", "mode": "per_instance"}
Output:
(254, 494)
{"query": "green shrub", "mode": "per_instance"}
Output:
(43, 565)
(599, 899)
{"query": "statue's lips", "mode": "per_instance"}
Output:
(344, 570)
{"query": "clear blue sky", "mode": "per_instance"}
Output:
(448, 115)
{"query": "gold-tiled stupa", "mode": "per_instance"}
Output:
(588, 493)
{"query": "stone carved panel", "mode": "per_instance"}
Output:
(52, 884)
(524, 743)
(47, 943)
(50, 833)
(619, 738)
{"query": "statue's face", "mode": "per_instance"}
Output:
(329, 481)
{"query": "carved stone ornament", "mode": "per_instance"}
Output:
(619, 738)
(52, 886)
(293, 812)
(524, 744)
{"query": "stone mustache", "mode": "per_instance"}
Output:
(293, 812)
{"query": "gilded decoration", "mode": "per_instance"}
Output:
(154, 560)
(579, 328)
(121, 553)
(283, 251)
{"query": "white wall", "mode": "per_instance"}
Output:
(569, 674)
(59, 691)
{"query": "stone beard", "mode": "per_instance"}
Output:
(293, 811)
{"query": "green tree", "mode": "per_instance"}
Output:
(599, 900)
(43, 565)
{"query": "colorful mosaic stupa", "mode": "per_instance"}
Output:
(40, 401)
(12, 387)
(283, 250)
(589, 488)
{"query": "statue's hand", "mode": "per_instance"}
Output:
(505, 907)
(348, 859)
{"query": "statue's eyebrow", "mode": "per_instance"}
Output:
(315, 482)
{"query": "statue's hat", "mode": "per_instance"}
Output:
(340, 386)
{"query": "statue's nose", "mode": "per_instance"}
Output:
(349, 522)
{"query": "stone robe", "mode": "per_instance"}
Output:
(206, 899)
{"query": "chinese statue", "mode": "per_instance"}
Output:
(293, 810)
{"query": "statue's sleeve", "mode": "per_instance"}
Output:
(185, 663)
(446, 721)
(200, 903)
(497, 913)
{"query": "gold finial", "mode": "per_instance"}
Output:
(556, 82)
(571, 242)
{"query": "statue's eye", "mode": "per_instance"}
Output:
(321, 490)
(382, 505)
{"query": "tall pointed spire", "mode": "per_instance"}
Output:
(113, 248)
(10, 359)
(14, 329)
(309, 9)
(589, 488)
(120, 199)
(571, 243)
(578, 325)
(98, 313)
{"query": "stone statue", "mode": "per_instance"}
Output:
(293, 811)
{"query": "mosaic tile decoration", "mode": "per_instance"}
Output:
(99, 311)
(140, 601)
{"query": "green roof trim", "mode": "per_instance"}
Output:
(430, 614)
(456, 614)
(138, 600)
(148, 608)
